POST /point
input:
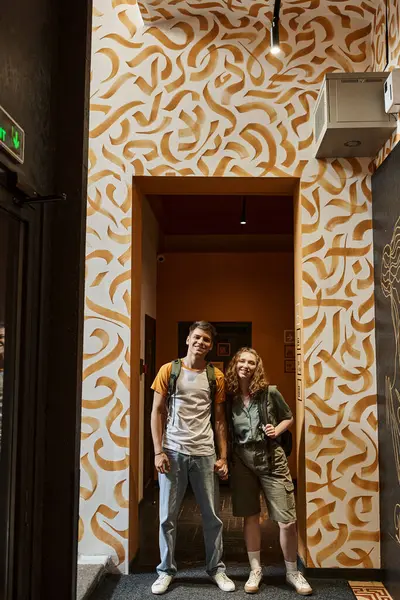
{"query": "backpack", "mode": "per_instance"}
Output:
(173, 378)
(285, 440)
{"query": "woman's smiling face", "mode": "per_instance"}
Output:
(246, 365)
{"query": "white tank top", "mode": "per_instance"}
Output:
(189, 429)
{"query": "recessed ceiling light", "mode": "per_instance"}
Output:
(243, 218)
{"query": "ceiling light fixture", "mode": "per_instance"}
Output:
(243, 219)
(275, 48)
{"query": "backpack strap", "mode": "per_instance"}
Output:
(173, 378)
(212, 381)
(264, 406)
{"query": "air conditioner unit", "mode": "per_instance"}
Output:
(392, 92)
(350, 118)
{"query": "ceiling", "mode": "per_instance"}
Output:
(220, 215)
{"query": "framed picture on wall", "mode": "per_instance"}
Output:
(223, 349)
(290, 352)
(290, 366)
(288, 336)
(218, 365)
(298, 338)
(298, 361)
(299, 390)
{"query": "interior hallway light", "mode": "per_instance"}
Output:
(243, 220)
(275, 48)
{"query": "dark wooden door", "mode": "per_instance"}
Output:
(150, 373)
(19, 297)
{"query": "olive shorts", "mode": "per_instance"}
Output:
(252, 472)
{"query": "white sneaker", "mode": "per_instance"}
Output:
(161, 584)
(299, 582)
(223, 582)
(253, 582)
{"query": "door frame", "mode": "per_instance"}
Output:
(21, 518)
(213, 186)
(149, 375)
(149, 323)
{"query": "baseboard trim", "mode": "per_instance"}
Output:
(347, 574)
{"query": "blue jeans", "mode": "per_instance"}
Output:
(199, 470)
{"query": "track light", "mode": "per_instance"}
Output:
(275, 49)
(243, 219)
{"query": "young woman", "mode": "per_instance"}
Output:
(259, 461)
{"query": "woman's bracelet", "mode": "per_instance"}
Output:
(162, 452)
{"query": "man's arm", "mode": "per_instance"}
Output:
(157, 421)
(221, 440)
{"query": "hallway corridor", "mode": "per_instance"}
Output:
(190, 545)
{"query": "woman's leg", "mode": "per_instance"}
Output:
(288, 541)
(246, 501)
(252, 538)
(252, 533)
(279, 495)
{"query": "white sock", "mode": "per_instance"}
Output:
(254, 560)
(291, 567)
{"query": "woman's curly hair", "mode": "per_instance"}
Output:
(258, 381)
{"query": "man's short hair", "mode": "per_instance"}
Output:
(205, 326)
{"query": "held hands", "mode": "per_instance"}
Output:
(221, 468)
(161, 462)
(270, 431)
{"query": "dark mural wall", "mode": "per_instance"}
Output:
(44, 85)
(386, 215)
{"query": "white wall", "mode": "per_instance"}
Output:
(149, 300)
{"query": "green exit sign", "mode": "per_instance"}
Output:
(12, 136)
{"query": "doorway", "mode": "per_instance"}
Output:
(10, 282)
(240, 278)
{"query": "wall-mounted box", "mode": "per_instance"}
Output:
(350, 118)
(392, 92)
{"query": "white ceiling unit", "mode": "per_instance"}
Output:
(350, 118)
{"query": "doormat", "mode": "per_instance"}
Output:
(369, 590)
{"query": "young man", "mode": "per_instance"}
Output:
(183, 437)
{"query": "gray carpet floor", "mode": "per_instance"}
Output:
(193, 584)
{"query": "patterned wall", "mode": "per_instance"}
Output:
(394, 33)
(195, 91)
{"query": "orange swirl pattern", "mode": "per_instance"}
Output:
(195, 91)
